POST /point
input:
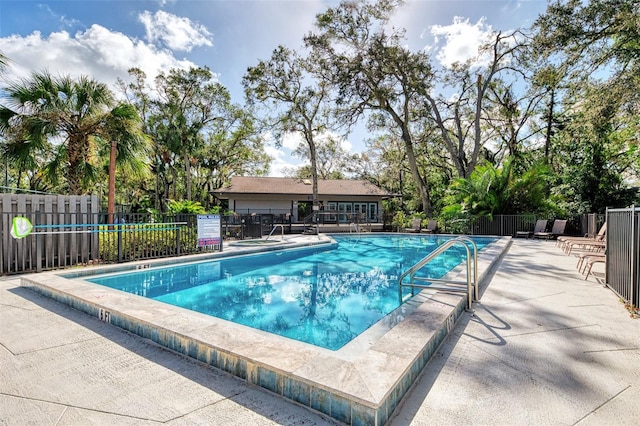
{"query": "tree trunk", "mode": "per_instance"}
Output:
(187, 175)
(477, 140)
(423, 186)
(454, 153)
(111, 203)
(549, 132)
(314, 168)
(74, 159)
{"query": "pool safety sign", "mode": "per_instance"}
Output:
(209, 230)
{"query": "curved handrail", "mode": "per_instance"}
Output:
(274, 228)
(357, 232)
(472, 289)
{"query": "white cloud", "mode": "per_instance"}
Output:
(175, 32)
(291, 140)
(96, 52)
(281, 161)
(66, 22)
(460, 41)
(345, 143)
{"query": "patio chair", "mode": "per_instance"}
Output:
(558, 229)
(563, 241)
(587, 257)
(541, 226)
(589, 245)
(431, 227)
(589, 265)
(415, 226)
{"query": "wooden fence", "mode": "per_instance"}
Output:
(71, 230)
(62, 247)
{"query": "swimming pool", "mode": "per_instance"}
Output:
(361, 383)
(325, 296)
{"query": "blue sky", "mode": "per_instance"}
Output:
(103, 38)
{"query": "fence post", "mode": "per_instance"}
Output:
(178, 241)
(635, 241)
(120, 254)
(38, 252)
(38, 243)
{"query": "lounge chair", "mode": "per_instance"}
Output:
(588, 257)
(431, 227)
(590, 245)
(558, 229)
(563, 241)
(541, 226)
(589, 264)
(415, 226)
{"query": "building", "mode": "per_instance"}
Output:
(341, 201)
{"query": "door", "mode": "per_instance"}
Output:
(360, 212)
(345, 210)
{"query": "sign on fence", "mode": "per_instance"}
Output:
(209, 230)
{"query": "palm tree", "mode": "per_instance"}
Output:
(24, 159)
(492, 190)
(127, 145)
(67, 112)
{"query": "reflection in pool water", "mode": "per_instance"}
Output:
(323, 296)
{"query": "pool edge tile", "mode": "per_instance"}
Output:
(334, 402)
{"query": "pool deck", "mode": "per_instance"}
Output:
(544, 346)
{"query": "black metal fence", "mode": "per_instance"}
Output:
(65, 237)
(622, 255)
(505, 225)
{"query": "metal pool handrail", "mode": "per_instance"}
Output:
(274, 228)
(472, 285)
(355, 226)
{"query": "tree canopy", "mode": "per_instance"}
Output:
(540, 120)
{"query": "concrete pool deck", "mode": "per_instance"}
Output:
(543, 347)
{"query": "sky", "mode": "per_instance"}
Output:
(104, 38)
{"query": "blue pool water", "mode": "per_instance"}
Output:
(325, 296)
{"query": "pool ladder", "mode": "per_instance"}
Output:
(471, 282)
(276, 226)
(354, 229)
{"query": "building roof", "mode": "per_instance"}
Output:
(294, 186)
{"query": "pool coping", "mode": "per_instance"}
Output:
(360, 384)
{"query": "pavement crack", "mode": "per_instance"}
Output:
(78, 407)
(22, 308)
(61, 415)
(612, 350)
(552, 330)
(586, 306)
(211, 404)
(7, 349)
(602, 405)
(56, 346)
